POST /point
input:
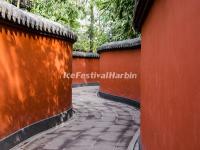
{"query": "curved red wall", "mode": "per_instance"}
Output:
(87, 66)
(170, 96)
(121, 61)
(32, 86)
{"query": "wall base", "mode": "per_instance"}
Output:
(31, 130)
(119, 99)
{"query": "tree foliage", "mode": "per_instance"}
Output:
(94, 21)
(23, 4)
(63, 11)
(118, 15)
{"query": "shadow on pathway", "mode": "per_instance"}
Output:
(98, 124)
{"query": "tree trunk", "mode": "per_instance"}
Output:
(18, 3)
(91, 25)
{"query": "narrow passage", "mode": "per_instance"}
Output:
(98, 124)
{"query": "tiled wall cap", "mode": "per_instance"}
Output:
(85, 54)
(126, 44)
(17, 16)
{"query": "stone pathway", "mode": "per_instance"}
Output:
(98, 124)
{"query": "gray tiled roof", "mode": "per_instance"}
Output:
(130, 44)
(17, 16)
(85, 54)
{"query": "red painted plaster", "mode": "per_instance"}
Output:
(85, 66)
(170, 97)
(31, 78)
(121, 61)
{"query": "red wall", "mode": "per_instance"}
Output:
(170, 96)
(121, 61)
(87, 66)
(31, 78)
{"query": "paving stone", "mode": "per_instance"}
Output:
(104, 145)
(124, 141)
(121, 148)
(103, 124)
(117, 128)
(110, 136)
(55, 143)
(95, 131)
(78, 148)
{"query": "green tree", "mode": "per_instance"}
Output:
(65, 12)
(92, 22)
(23, 4)
(118, 15)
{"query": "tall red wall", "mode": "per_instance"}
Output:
(87, 66)
(170, 96)
(121, 61)
(32, 86)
